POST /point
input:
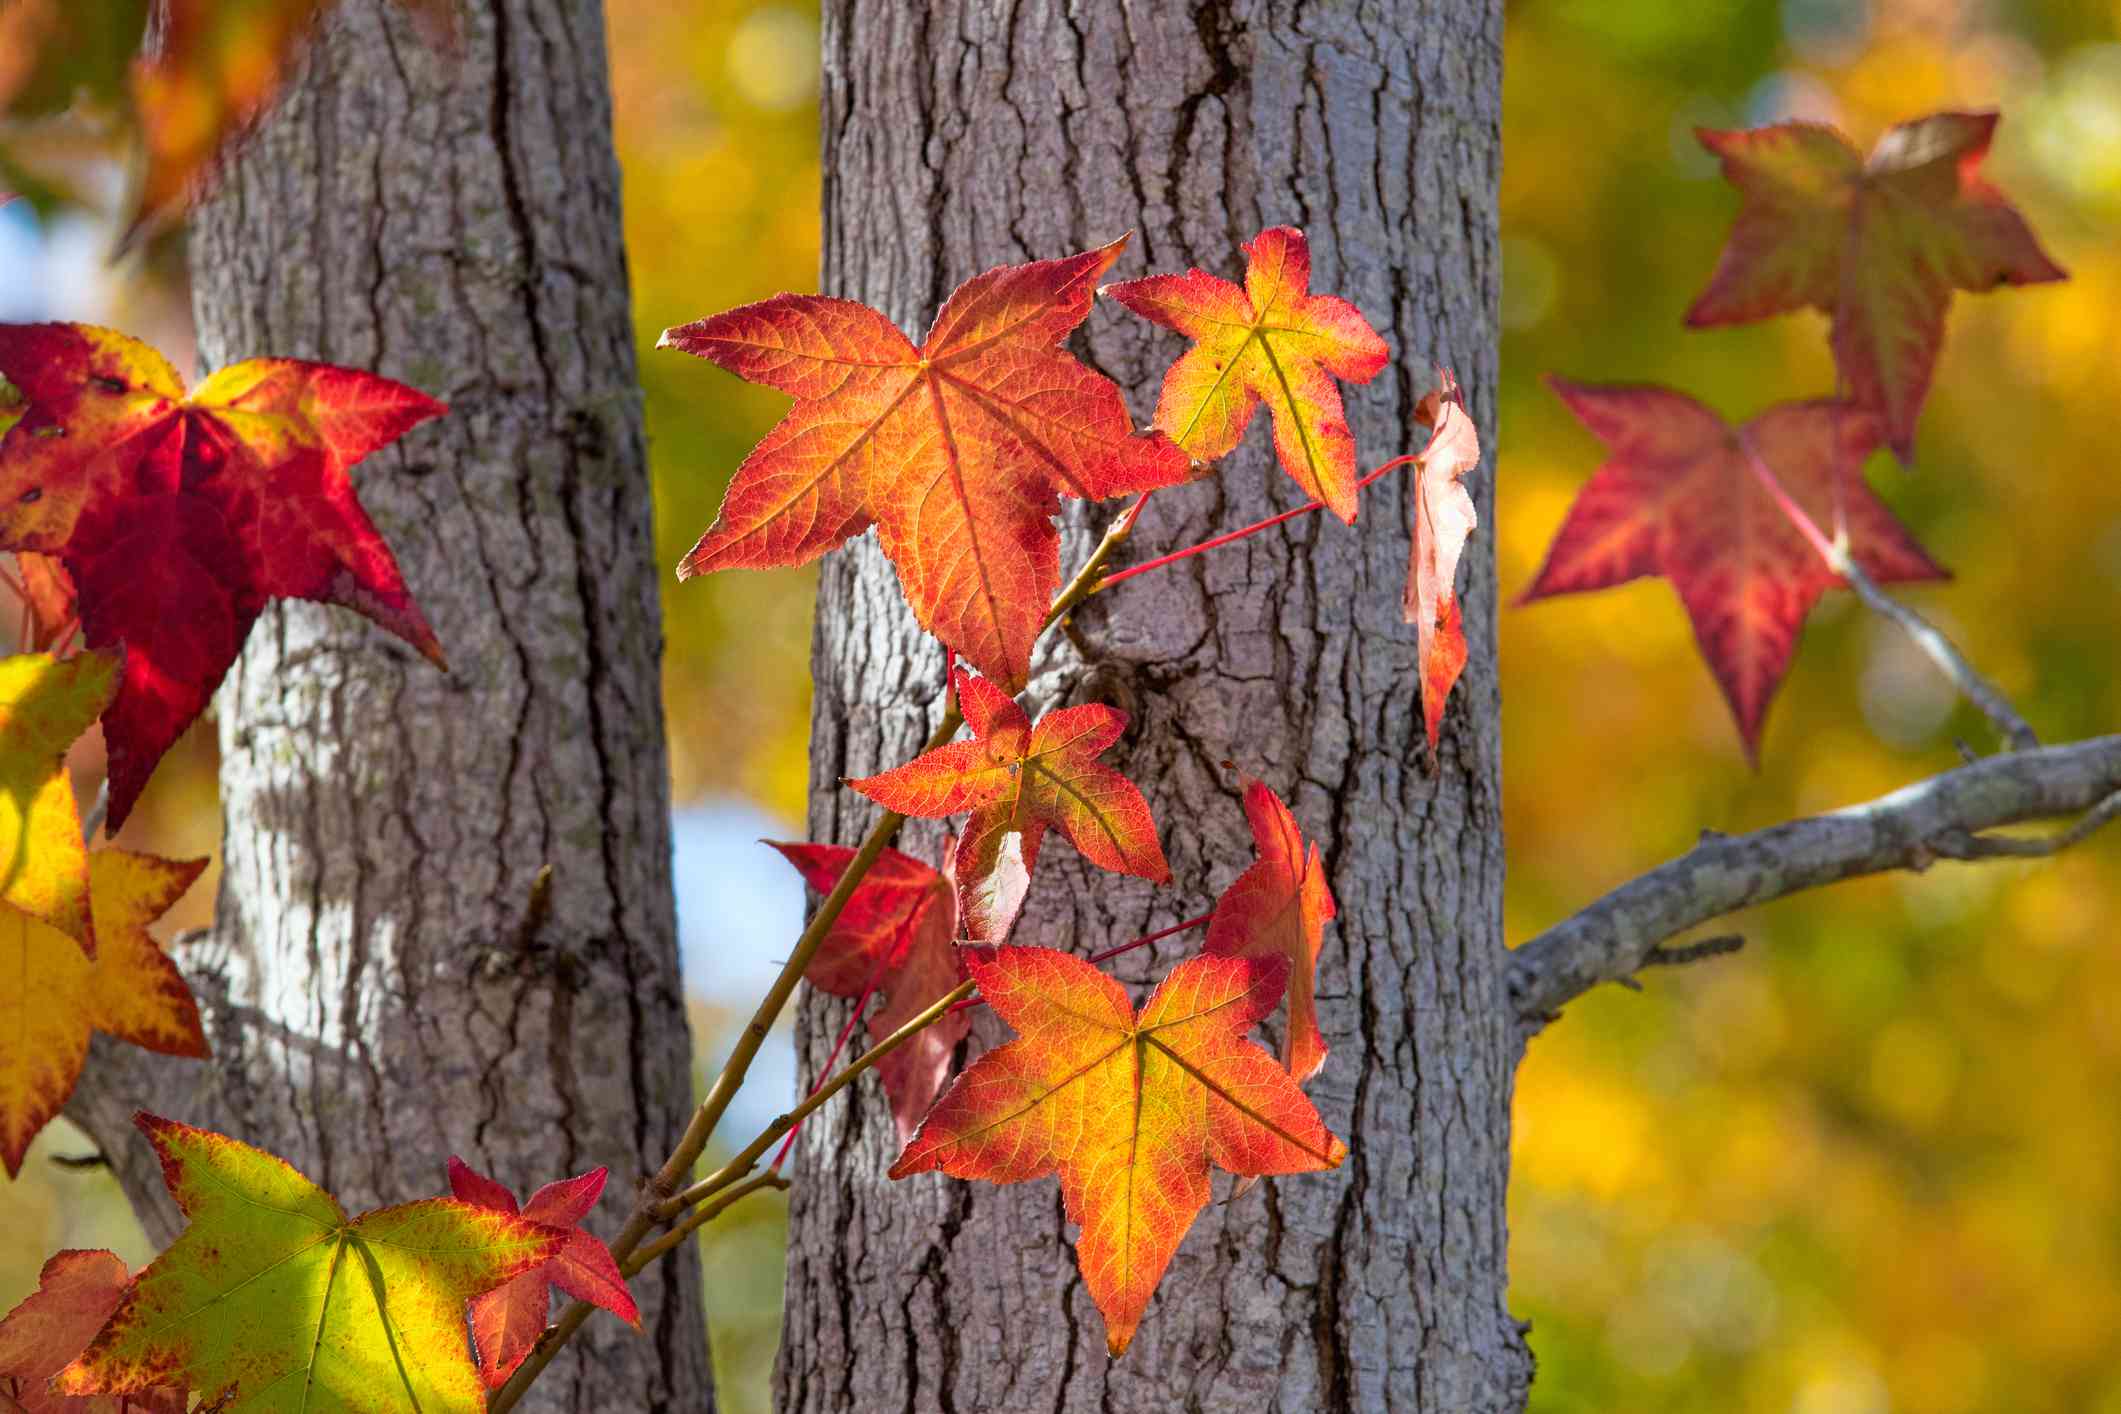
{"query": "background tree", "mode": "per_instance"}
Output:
(381, 986)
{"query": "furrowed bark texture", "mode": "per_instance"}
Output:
(379, 992)
(963, 135)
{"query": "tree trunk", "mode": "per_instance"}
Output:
(380, 992)
(963, 135)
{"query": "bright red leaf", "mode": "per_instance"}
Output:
(1271, 340)
(178, 517)
(1878, 244)
(1279, 908)
(1443, 520)
(1015, 778)
(957, 451)
(897, 935)
(1679, 497)
(76, 1293)
(506, 1320)
(1129, 1110)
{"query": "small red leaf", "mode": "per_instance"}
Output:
(505, 1321)
(1279, 908)
(1678, 497)
(895, 934)
(76, 1293)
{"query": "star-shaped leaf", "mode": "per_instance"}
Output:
(178, 517)
(1129, 1110)
(76, 1293)
(55, 996)
(1279, 907)
(1015, 778)
(1271, 340)
(1443, 520)
(957, 451)
(1878, 244)
(897, 934)
(46, 703)
(273, 1296)
(505, 1322)
(1678, 496)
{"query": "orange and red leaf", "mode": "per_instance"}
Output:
(1270, 341)
(957, 451)
(1130, 1110)
(1878, 244)
(1016, 778)
(1678, 497)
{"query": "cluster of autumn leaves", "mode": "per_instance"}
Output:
(154, 524)
(1737, 518)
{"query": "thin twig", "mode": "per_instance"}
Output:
(658, 1191)
(1683, 954)
(93, 820)
(703, 1215)
(1985, 696)
(743, 1163)
(1958, 844)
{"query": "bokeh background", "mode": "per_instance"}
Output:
(1873, 1162)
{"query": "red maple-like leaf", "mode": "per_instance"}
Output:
(1131, 1111)
(1270, 340)
(178, 517)
(957, 451)
(505, 1321)
(1877, 243)
(1018, 779)
(1679, 496)
(76, 1293)
(897, 935)
(1443, 521)
(1279, 908)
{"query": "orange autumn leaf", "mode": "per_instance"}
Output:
(506, 1321)
(211, 503)
(1876, 243)
(1129, 1110)
(1279, 907)
(272, 1298)
(1678, 496)
(1270, 341)
(1443, 521)
(957, 451)
(1016, 778)
(897, 934)
(46, 703)
(55, 996)
(76, 1293)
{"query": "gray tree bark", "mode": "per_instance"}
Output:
(963, 135)
(378, 989)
